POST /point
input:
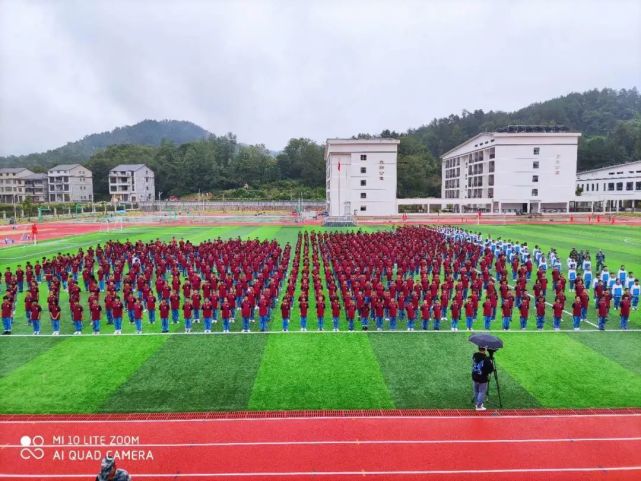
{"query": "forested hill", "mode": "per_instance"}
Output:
(188, 159)
(609, 120)
(147, 132)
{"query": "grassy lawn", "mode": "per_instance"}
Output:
(314, 371)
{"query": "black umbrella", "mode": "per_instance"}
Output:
(487, 341)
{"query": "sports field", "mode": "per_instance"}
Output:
(175, 372)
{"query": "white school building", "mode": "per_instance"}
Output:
(360, 177)
(518, 169)
(525, 169)
(610, 188)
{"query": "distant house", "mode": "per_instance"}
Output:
(36, 187)
(70, 183)
(19, 184)
(132, 183)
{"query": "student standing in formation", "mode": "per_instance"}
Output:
(117, 309)
(163, 309)
(95, 310)
(635, 293)
(76, 314)
(208, 312)
(187, 313)
(625, 307)
(36, 311)
(226, 310)
(285, 310)
(7, 315)
(54, 315)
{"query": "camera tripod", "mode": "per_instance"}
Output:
(496, 377)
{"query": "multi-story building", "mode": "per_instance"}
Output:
(70, 183)
(361, 176)
(132, 183)
(12, 184)
(36, 187)
(612, 188)
(515, 169)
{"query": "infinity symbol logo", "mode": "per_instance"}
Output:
(29, 452)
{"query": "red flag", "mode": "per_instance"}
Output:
(339, 165)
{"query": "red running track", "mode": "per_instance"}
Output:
(564, 447)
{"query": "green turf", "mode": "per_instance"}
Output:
(433, 370)
(560, 371)
(316, 371)
(23, 350)
(193, 373)
(313, 371)
(75, 375)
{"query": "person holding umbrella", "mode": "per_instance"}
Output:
(483, 366)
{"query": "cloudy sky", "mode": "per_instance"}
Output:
(271, 70)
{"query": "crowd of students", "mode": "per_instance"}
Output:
(408, 278)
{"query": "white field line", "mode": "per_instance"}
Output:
(88, 334)
(489, 416)
(329, 442)
(316, 474)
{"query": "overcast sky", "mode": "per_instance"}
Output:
(272, 70)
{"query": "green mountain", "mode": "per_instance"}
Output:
(147, 132)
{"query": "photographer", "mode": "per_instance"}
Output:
(482, 367)
(109, 471)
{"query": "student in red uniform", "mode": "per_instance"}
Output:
(425, 314)
(246, 310)
(603, 309)
(54, 314)
(557, 313)
(164, 309)
(151, 308)
(263, 313)
(524, 309)
(576, 313)
(76, 314)
(226, 314)
(7, 315)
(285, 309)
(208, 312)
(393, 313)
(95, 310)
(117, 308)
(336, 312)
(411, 316)
(36, 311)
(624, 308)
(320, 312)
(437, 312)
(303, 306)
(455, 309)
(187, 313)
(138, 311)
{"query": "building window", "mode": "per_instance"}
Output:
(381, 178)
(363, 170)
(363, 157)
(537, 150)
(628, 185)
(535, 192)
(363, 195)
(638, 186)
(619, 185)
(363, 182)
(535, 178)
(535, 164)
(611, 186)
(363, 208)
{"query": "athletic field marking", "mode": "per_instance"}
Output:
(627, 240)
(330, 443)
(326, 332)
(600, 469)
(490, 415)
